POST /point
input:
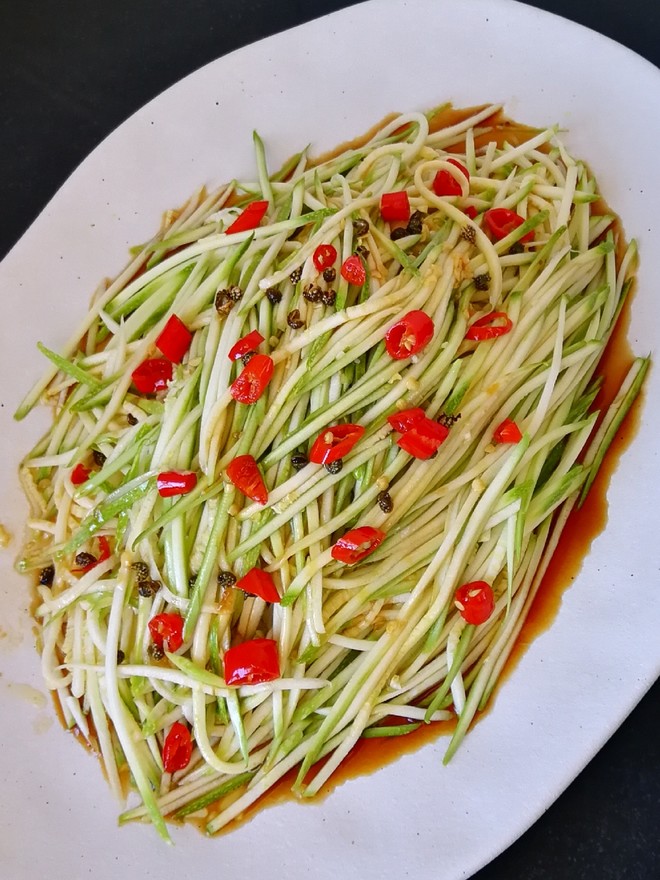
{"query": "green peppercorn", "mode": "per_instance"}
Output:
(294, 320)
(448, 421)
(155, 652)
(469, 233)
(46, 576)
(385, 502)
(312, 293)
(140, 570)
(84, 559)
(414, 226)
(223, 302)
(148, 588)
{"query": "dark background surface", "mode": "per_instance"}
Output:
(70, 72)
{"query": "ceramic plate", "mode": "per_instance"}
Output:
(323, 83)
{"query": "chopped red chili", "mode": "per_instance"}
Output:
(177, 748)
(249, 218)
(259, 583)
(445, 184)
(405, 419)
(171, 483)
(244, 473)
(324, 256)
(250, 342)
(502, 222)
(353, 271)
(395, 207)
(507, 432)
(409, 335)
(152, 375)
(80, 474)
(424, 438)
(252, 662)
(357, 544)
(251, 383)
(475, 602)
(174, 339)
(486, 328)
(167, 631)
(334, 443)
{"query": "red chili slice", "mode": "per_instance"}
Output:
(80, 474)
(249, 342)
(486, 328)
(244, 473)
(324, 256)
(357, 544)
(445, 184)
(259, 583)
(177, 748)
(424, 438)
(334, 443)
(507, 432)
(171, 483)
(409, 335)
(404, 419)
(353, 271)
(251, 383)
(174, 340)
(471, 212)
(104, 547)
(475, 602)
(152, 375)
(502, 222)
(395, 207)
(252, 662)
(249, 218)
(167, 631)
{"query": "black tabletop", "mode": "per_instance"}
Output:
(72, 71)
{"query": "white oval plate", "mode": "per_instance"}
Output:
(325, 82)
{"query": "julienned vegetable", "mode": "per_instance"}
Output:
(330, 457)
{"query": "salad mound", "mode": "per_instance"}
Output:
(312, 452)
